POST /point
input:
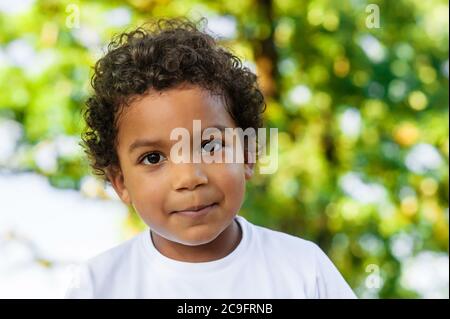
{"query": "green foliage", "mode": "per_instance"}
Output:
(321, 69)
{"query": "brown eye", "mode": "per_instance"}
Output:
(152, 158)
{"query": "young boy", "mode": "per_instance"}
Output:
(151, 82)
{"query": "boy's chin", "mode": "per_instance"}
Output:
(197, 237)
(197, 240)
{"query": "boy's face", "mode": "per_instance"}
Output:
(157, 190)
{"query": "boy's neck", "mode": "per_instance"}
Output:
(220, 247)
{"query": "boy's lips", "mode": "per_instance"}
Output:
(196, 211)
(194, 208)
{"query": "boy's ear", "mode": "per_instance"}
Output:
(249, 168)
(115, 177)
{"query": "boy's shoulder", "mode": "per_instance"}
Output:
(278, 239)
(284, 247)
(98, 270)
(119, 253)
(304, 260)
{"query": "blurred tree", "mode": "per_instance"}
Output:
(362, 114)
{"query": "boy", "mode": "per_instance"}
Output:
(150, 83)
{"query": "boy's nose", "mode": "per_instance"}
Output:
(188, 176)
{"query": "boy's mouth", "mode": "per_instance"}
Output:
(196, 208)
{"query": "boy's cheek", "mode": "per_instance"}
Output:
(155, 220)
(231, 180)
(147, 193)
(150, 209)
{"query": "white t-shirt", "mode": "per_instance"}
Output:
(265, 264)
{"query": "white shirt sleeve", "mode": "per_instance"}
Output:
(329, 282)
(81, 286)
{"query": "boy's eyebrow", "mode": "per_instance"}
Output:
(142, 143)
(146, 142)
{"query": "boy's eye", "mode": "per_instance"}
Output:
(152, 158)
(212, 146)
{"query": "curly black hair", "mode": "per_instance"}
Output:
(161, 55)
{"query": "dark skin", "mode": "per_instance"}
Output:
(156, 186)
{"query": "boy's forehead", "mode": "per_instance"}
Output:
(156, 114)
